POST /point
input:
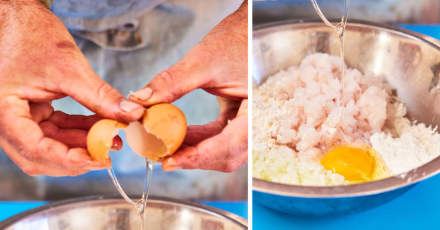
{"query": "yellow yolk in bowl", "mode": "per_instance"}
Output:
(357, 165)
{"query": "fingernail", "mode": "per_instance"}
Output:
(143, 94)
(128, 106)
(171, 165)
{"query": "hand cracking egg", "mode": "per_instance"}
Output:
(356, 164)
(160, 134)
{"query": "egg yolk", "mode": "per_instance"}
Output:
(357, 165)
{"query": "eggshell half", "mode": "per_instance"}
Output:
(161, 133)
(144, 143)
(100, 138)
(167, 122)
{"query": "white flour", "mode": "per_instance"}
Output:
(301, 112)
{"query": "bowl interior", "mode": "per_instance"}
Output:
(161, 214)
(409, 62)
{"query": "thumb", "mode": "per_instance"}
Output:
(171, 84)
(91, 91)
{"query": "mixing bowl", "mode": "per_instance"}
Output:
(408, 61)
(105, 213)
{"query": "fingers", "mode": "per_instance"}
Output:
(217, 64)
(67, 121)
(40, 111)
(224, 152)
(170, 85)
(70, 137)
(243, 110)
(25, 142)
(44, 111)
(33, 168)
(197, 133)
(94, 93)
(228, 108)
(72, 129)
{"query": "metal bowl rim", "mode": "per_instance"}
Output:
(345, 191)
(260, 28)
(240, 221)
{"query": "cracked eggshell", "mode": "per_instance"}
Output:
(167, 122)
(100, 138)
(143, 143)
(161, 133)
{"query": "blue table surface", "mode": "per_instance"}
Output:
(416, 209)
(11, 208)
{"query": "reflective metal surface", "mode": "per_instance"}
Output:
(383, 11)
(409, 62)
(100, 213)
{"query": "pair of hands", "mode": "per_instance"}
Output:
(39, 62)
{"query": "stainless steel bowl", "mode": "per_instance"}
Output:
(103, 213)
(408, 61)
